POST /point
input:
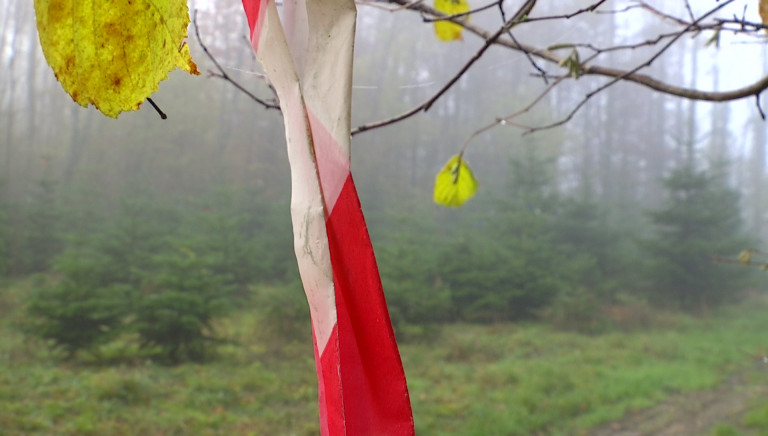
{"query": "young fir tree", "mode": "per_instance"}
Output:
(137, 231)
(700, 219)
(79, 310)
(178, 303)
(408, 264)
(505, 266)
(91, 298)
(246, 233)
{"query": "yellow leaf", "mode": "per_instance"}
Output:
(763, 9)
(446, 30)
(455, 183)
(745, 257)
(113, 53)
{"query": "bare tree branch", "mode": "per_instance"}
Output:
(497, 3)
(517, 18)
(542, 73)
(629, 73)
(509, 119)
(223, 74)
(759, 108)
(591, 8)
(503, 37)
(663, 15)
(632, 75)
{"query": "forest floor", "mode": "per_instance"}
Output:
(688, 376)
(732, 409)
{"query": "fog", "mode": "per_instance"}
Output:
(613, 154)
(642, 201)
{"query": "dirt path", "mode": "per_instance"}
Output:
(694, 414)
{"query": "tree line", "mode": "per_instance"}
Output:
(160, 270)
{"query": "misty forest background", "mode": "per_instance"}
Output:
(148, 284)
(587, 227)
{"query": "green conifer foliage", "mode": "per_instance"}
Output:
(700, 220)
(178, 304)
(79, 310)
(504, 265)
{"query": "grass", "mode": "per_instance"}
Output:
(471, 380)
(755, 420)
(532, 380)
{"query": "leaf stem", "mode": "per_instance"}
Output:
(159, 111)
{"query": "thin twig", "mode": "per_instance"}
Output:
(759, 108)
(690, 11)
(589, 9)
(379, 5)
(748, 261)
(618, 11)
(223, 74)
(531, 60)
(509, 119)
(666, 16)
(462, 14)
(617, 79)
(744, 26)
(427, 104)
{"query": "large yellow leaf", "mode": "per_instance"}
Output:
(113, 53)
(446, 30)
(455, 183)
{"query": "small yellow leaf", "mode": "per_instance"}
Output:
(745, 257)
(113, 54)
(763, 9)
(455, 183)
(446, 30)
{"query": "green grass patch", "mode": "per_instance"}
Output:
(470, 380)
(726, 430)
(755, 419)
(534, 380)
